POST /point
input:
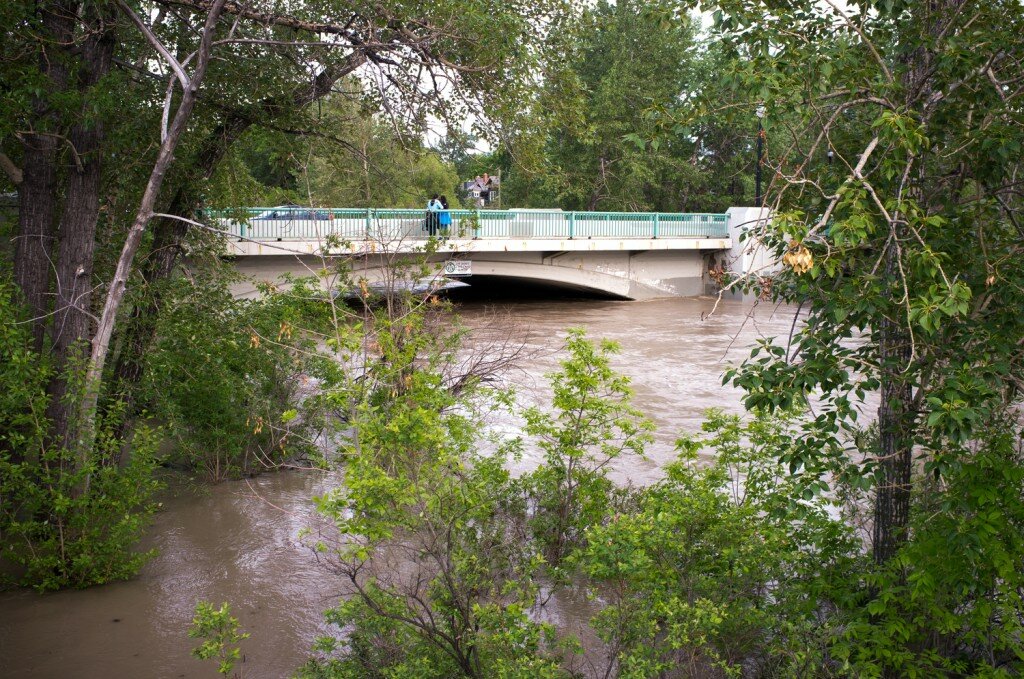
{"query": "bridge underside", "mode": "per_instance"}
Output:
(617, 275)
(487, 287)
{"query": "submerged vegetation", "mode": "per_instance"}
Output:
(802, 539)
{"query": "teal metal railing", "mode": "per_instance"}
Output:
(354, 224)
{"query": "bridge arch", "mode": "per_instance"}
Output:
(576, 278)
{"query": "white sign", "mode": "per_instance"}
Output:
(458, 267)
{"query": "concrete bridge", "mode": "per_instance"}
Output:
(620, 255)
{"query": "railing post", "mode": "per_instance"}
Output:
(369, 212)
(655, 224)
(479, 226)
(572, 225)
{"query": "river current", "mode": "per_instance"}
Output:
(238, 541)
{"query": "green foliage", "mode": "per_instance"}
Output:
(225, 375)
(605, 133)
(61, 538)
(221, 633)
(439, 575)
(918, 243)
(55, 534)
(952, 601)
(715, 570)
(358, 162)
(591, 425)
(909, 232)
(734, 563)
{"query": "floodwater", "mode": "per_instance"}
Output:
(239, 541)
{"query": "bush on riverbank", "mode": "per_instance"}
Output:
(226, 376)
(53, 534)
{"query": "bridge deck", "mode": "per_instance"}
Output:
(528, 229)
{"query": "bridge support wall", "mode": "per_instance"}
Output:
(626, 274)
(748, 255)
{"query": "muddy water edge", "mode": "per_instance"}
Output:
(238, 541)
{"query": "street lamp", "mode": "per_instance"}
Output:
(758, 198)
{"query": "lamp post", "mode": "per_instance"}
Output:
(758, 198)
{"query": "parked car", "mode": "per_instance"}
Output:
(289, 221)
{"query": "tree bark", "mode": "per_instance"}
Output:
(70, 330)
(895, 439)
(37, 193)
(896, 419)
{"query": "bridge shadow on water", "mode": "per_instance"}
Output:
(505, 289)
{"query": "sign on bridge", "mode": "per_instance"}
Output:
(458, 267)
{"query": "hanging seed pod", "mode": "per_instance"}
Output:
(798, 257)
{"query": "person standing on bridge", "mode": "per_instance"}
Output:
(444, 217)
(433, 214)
(485, 190)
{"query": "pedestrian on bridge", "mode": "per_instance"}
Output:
(486, 184)
(433, 215)
(444, 217)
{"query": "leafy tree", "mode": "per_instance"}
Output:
(222, 634)
(349, 157)
(423, 531)
(715, 572)
(619, 76)
(591, 424)
(899, 252)
(374, 168)
(618, 61)
(225, 376)
(98, 187)
(51, 536)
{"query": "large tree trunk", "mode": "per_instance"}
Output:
(895, 439)
(71, 327)
(34, 244)
(896, 419)
(33, 261)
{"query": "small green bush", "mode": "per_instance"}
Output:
(56, 530)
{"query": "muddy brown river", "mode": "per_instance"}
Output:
(238, 541)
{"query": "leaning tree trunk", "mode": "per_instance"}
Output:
(72, 319)
(168, 234)
(115, 293)
(37, 193)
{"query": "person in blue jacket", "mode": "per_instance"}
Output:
(445, 217)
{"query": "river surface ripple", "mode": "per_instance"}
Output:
(238, 541)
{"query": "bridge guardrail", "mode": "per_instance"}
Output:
(355, 224)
